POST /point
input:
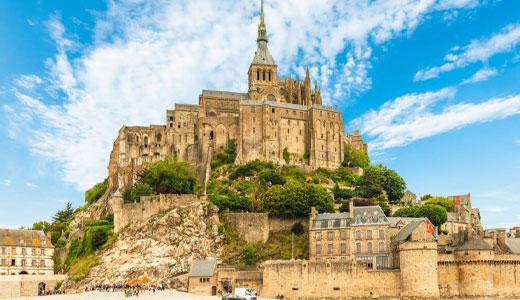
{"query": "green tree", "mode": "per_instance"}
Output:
(169, 176)
(355, 158)
(294, 199)
(136, 191)
(441, 201)
(271, 176)
(382, 201)
(249, 252)
(286, 155)
(41, 225)
(435, 213)
(64, 215)
(341, 194)
(426, 197)
(377, 179)
(93, 194)
(230, 200)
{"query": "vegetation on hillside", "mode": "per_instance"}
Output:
(169, 176)
(355, 158)
(435, 213)
(93, 194)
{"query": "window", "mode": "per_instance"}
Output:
(318, 236)
(369, 234)
(13, 251)
(254, 130)
(13, 262)
(272, 110)
(381, 246)
(381, 233)
(4, 262)
(254, 119)
(331, 223)
(4, 251)
(42, 251)
(33, 251)
(318, 249)
(263, 76)
(343, 248)
(24, 251)
(358, 247)
(24, 262)
(42, 263)
(358, 234)
(269, 75)
(330, 248)
(145, 141)
(330, 235)
(369, 247)
(171, 118)
(258, 75)
(342, 235)
(33, 263)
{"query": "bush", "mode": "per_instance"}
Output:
(270, 176)
(250, 169)
(227, 156)
(249, 252)
(377, 179)
(294, 199)
(231, 200)
(93, 194)
(298, 228)
(81, 268)
(286, 155)
(293, 172)
(344, 194)
(355, 158)
(60, 243)
(169, 176)
(136, 191)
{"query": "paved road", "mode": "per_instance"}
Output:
(163, 295)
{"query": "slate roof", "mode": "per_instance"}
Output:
(514, 245)
(475, 244)
(365, 215)
(263, 56)
(394, 220)
(203, 268)
(24, 238)
(407, 230)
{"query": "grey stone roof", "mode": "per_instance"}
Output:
(22, 237)
(475, 244)
(203, 268)
(364, 215)
(263, 56)
(514, 245)
(407, 230)
(394, 220)
(224, 94)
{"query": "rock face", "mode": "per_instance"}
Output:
(160, 251)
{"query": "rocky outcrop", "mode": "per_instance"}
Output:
(159, 251)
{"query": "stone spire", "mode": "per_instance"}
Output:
(307, 87)
(262, 55)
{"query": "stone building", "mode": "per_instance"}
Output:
(463, 219)
(276, 115)
(362, 234)
(25, 252)
(355, 140)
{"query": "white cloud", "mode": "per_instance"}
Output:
(28, 81)
(31, 185)
(412, 117)
(6, 182)
(481, 50)
(149, 54)
(481, 75)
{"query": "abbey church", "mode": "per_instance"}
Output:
(275, 116)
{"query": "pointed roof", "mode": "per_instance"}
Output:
(262, 54)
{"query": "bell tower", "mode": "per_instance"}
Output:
(262, 74)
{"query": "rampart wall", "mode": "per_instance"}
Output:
(139, 212)
(13, 286)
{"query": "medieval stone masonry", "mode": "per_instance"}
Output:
(276, 114)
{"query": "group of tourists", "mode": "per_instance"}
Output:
(129, 290)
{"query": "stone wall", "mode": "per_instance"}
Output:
(139, 212)
(255, 227)
(327, 279)
(13, 286)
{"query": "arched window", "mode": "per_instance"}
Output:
(257, 74)
(145, 141)
(358, 247)
(269, 75)
(158, 137)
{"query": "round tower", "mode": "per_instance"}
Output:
(475, 258)
(418, 263)
(117, 207)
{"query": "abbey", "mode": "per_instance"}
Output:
(277, 118)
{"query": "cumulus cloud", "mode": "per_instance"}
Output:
(414, 116)
(481, 75)
(6, 182)
(481, 50)
(146, 55)
(28, 81)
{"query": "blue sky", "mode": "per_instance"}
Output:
(432, 85)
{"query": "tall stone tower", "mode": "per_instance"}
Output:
(418, 263)
(262, 72)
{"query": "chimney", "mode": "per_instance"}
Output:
(351, 208)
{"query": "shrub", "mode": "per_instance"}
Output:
(270, 176)
(286, 155)
(169, 176)
(339, 193)
(231, 200)
(441, 201)
(227, 156)
(249, 252)
(136, 191)
(81, 268)
(355, 158)
(93, 194)
(298, 228)
(60, 243)
(293, 172)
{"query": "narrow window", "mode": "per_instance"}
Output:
(369, 234)
(318, 236)
(358, 235)
(331, 248)
(343, 248)
(343, 235)
(269, 75)
(381, 234)
(318, 249)
(258, 75)
(263, 75)
(381, 247)
(330, 235)
(369, 247)
(358, 247)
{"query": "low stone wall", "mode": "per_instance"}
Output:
(139, 212)
(252, 227)
(12, 286)
(327, 279)
(255, 227)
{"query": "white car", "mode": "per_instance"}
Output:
(245, 293)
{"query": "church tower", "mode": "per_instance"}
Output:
(262, 75)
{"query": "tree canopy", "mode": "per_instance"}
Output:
(435, 213)
(63, 215)
(169, 176)
(295, 199)
(377, 179)
(355, 158)
(441, 201)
